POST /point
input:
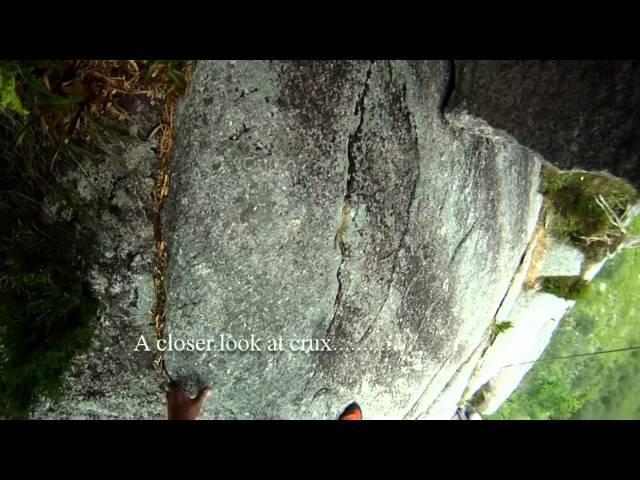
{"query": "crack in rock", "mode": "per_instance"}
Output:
(354, 139)
(464, 238)
(402, 243)
(450, 87)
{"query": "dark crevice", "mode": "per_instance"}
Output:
(320, 392)
(369, 329)
(522, 257)
(356, 138)
(415, 405)
(531, 244)
(353, 142)
(403, 236)
(240, 133)
(461, 242)
(412, 197)
(114, 187)
(492, 336)
(450, 87)
(463, 364)
(445, 197)
(337, 301)
(388, 255)
(390, 71)
(247, 92)
(267, 149)
(310, 381)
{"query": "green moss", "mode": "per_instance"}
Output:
(479, 398)
(575, 214)
(9, 99)
(570, 288)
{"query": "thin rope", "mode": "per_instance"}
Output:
(599, 352)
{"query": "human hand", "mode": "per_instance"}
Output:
(182, 407)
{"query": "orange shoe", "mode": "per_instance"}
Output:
(352, 412)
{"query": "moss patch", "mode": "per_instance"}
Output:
(570, 288)
(575, 215)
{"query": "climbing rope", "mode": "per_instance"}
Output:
(599, 352)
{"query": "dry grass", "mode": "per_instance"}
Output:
(101, 84)
(90, 89)
(69, 110)
(167, 140)
(541, 244)
(342, 229)
(106, 80)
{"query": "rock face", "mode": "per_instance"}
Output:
(535, 317)
(561, 259)
(330, 200)
(111, 380)
(577, 114)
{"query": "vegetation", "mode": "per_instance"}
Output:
(587, 208)
(498, 328)
(46, 307)
(605, 317)
(54, 115)
(8, 97)
(570, 288)
(174, 70)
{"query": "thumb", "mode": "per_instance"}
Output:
(203, 394)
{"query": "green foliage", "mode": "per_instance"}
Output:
(33, 91)
(498, 328)
(575, 214)
(173, 70)
(9, 99)
(46, 308)
(570, 288)
(548, 397)
(54, 114)
(46, 314)
(606, 316)
(478, 398)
